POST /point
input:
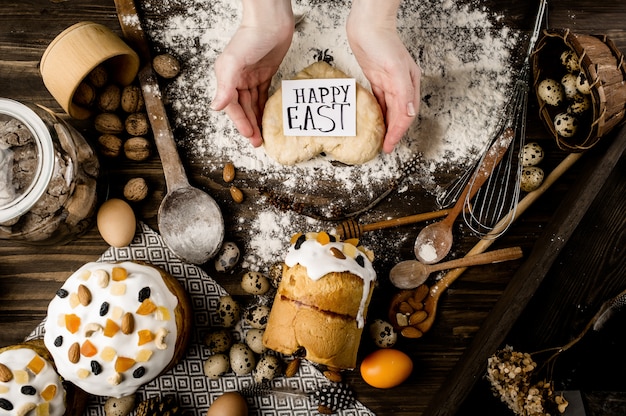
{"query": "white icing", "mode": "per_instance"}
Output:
(319, 260)
(17, 360)
(139, 276)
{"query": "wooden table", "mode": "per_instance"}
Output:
(573, 240)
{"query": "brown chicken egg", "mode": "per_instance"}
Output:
(229, 404)
(116, 222)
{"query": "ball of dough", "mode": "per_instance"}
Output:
(370, 128)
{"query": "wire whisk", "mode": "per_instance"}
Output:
(499, 195)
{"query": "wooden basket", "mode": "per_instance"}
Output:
(604, 66)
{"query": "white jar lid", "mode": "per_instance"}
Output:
(23, 200)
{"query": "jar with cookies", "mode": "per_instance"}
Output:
(48, 176)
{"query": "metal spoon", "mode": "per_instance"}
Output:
(412, 273)
(189, 220)
(433, 243)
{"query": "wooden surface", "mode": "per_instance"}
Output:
(580, 264)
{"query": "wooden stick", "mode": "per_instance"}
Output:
(352, 229)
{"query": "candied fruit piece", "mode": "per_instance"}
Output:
(88, 349)
(49, 392)
(20, 376)
(83, 373)
(349, 250)
(163, 314)
(295, 238)
(146, 307)
(43, 409)
(3, 389)
(143, 355)
(118, 289)
(85, 275)
(118, 274)
(122, 364)
(323, 238)
(72, 323)
(110, 328)
(117, 312)
(353, 241)
(145, 336)
(74, 301)
(108, 354)
(36, 364)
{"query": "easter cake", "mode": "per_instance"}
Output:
(29, 382)
(321, 303)
(113, 327)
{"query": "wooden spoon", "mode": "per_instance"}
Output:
(190, 221)
(433, 243)
(412, 273)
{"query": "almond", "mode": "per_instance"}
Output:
(228, 174)
(73, 354)
(292, 367)
(236, 194)
(418, 317)
(334, 376)
(5, 373)
(411, 332)
(84, 295)
(420, 293)
(128, 323)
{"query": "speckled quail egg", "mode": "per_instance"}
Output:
(580, 103)
(582, 84)
(383, 334)
(569, 59)
(227, 258)
(242, 360)
(254, 340)
(219, 341)
(121, 406)
(268, 368)
(229, 311)
(531, 178)
(216, 365)
(565, 124)
(569, 82)
(551, 91)
(257, 316)
(255, 283)
(532, 154)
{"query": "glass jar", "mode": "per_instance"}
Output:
(48, 176)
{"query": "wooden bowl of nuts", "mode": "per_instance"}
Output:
(74, 54)
(580, 88)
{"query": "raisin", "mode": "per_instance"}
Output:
(104, 308)
(58, 341)
(96, 368)
(5, 404)
(62, 293)
(139, 372)
(299, 242)
(28, 390)
(143, 294)
(359, 259)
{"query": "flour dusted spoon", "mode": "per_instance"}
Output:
(412, 273)
(190, 221)
(433, 243)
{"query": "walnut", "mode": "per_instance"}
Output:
(109, 145)
(137, 148)
(136, 189)
(98, 76)
(136, 124)
(108, 123)
(132, 99)
(109, 98)
(85, 95)
(166, 65)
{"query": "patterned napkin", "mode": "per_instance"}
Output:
(195, 392)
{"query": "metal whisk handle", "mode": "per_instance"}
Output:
(352, 229)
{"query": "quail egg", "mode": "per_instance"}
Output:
(242, 360)
(257, 316)
(565, 124)
(216, 365)
(582, 84)
(227, 258)
(580, 103)
(569, 59)
(219, 341)
(532, 154)
(229, 311)
(255, 283)
(569, 82)
(254, 340)
(550, 91)
(121, 406)
(531, 178)
(268, 368)
(383, 334)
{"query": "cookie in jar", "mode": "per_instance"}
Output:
(48, 176)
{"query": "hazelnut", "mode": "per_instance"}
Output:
(109, 98)
(137, 148)
(109, 145)
(108, 123)
(166, 65)
(136, 189)
(132, 99)
(136, 124)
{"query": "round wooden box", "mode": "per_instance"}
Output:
(604, 67)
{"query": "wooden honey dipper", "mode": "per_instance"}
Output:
(352, 229)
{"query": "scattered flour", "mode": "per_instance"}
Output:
(464, 53)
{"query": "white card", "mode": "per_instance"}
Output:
(319, 107)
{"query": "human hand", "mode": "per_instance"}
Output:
(393, 74)
(245, 68)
